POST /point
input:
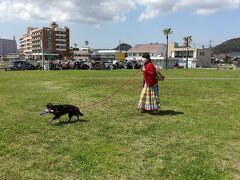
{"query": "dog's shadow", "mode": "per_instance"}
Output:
(168, 113)
(62, 123)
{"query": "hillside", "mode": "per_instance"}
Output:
(227, 46)
(123, 47)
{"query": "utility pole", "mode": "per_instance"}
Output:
(210, 47)
(119, 45)
(202, 54)
(49, 48)
(41, 40)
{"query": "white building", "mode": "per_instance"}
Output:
(83, 54)
(156, 51)
(105, 55)
(196, 57)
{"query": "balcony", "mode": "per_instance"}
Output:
(60, 35)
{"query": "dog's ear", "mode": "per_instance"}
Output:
(49, 105)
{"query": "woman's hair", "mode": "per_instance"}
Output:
(146, 55)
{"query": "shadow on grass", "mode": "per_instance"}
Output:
(62, 123)
(167, 113)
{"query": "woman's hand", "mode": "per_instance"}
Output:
(143, 69)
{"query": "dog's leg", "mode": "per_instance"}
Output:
(58, 117)
(76, 114)
(51, 120)
(70, 115)
(54, 118)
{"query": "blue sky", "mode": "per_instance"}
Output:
(104, 22)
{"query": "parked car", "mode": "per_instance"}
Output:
(21, 65)
(80, 65)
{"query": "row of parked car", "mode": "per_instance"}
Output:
(73, 65)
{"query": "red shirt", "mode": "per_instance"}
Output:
(150, 74)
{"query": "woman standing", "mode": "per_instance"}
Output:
(149, 98)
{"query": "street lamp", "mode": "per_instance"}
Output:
(41, 41)
(202, 56)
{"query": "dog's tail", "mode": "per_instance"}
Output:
(79, 113)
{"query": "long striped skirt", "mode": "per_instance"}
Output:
(149, 98)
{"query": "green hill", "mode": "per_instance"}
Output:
(123, 47)
(227, 46)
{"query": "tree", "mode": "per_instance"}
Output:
(167, 32)
(227, 59)
(187, 40)
(75, 45)
(86, 43)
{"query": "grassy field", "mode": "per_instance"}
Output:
(196, 135)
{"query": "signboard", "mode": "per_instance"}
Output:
(120, 56)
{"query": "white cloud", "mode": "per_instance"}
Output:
(155, 7)
(100, 11)
(201, 7)
(85, 11)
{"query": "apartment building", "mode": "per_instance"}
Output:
(48, 42)
(7, 47)
(196, 57)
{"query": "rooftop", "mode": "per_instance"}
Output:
(147, 47)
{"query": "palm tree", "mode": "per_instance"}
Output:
(87, 43)
(187, 40)
(167, 32)
(75, 45)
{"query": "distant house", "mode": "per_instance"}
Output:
(236, 63)
(219, 58)
(83, 54)
(234, 55)
(235, 58)
(156, 51)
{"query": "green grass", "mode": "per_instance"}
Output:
(196, 136)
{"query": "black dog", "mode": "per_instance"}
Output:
(59, 110)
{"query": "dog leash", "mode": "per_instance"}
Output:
(109, 97)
